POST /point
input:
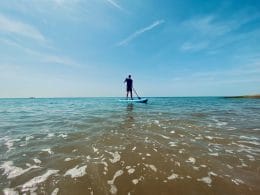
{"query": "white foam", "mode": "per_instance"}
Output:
(94, 149)
(229, 166)
(50, 135)
(212, 173)
(13, 171)
(148, 154)
(116, 157)
(135, 181)
(213, 154)
(63, 135)
(221, 123)
(156, 122)
(32, 184)
(196, 168)
(28, 164)
(113, 188)
(165, 137)
(250, 142)
(151, 167)
(10, 191)
(134, 148)
(55, 191)
(181, 151)
(231, 128)
(229, 151)
(67, 159)
(29, 137)
(48, 150)
(9, 144)
(103, 162)
(209, 137)
(76, 171)
(250, 157)
(177, 163)
(37, 161)
(172, 144)
(172, 176)
(206, 180)
(131, 171)
(191, 160)
(172, 131)
(237, 181)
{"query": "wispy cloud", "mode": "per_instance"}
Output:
(213, 32)
(42, 57)
(139, 32)
(8, 25)
(116, 5)
(207, 25)
(60, 60)
(190, 46)
(239, 74)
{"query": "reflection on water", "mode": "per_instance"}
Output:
(129, 120)
(129, 114)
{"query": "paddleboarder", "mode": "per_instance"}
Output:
(129, 86)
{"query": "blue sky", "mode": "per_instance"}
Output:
(78, 48)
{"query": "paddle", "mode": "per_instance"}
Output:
(137, 94)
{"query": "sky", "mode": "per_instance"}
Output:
(86, 48)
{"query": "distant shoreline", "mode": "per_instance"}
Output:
(244, 96)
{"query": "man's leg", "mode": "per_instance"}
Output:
(131, 93)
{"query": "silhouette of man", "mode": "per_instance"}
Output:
(129, 86)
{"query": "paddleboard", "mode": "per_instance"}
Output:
(142, 100)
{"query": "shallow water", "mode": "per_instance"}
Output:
(102, 146)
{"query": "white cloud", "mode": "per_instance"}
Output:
(139, 32)
(8, 25)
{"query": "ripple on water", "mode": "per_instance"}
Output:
(140, 149)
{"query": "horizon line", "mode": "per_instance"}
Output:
(57, 97)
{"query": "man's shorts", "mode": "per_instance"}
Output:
(128, 88)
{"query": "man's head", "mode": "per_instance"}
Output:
(129, 76)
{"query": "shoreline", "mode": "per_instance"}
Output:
(245, 96)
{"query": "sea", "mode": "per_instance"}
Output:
(171, 145)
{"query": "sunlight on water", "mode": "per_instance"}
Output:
(102, 146)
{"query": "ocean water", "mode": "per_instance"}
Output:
(103, 146)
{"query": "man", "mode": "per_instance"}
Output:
(129, 86)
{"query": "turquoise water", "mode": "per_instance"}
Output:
(103, 146)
